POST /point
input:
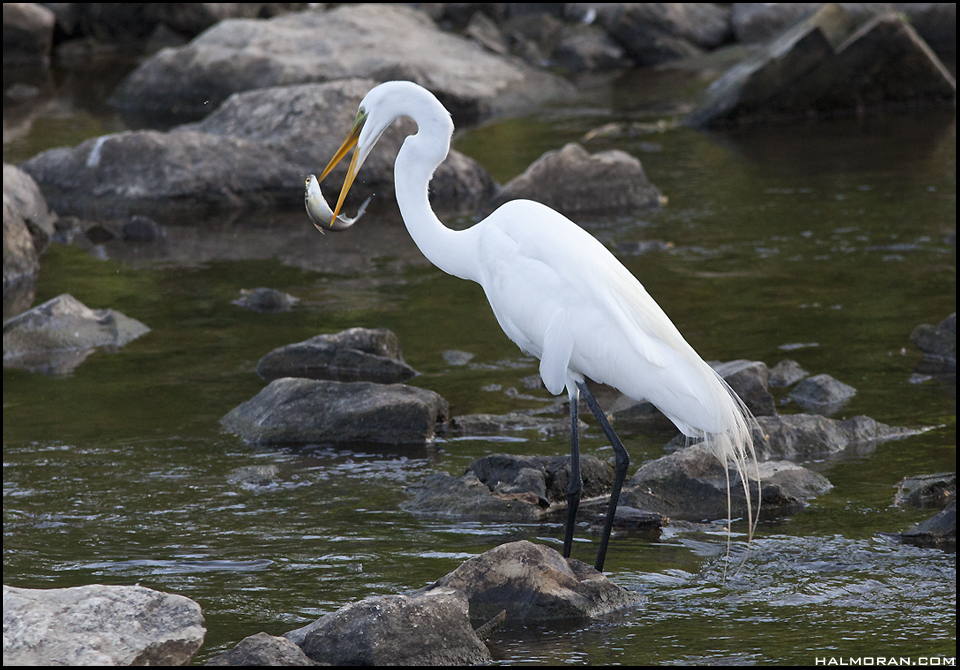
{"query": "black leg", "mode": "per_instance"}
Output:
(620, 471)
(576, 482)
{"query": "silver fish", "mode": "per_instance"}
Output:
(320, 213)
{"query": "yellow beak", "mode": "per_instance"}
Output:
(352, 138)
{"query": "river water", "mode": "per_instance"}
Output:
(826, 243)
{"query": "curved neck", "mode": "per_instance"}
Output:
(452, 251)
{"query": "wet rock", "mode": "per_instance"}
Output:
(786, 373)
(822, 394)
(374, 41)
(654, 33)
(430, 627)
(30, 205)
(21, 263)
(570, 180)
(939, 346)
(27, 34)
(254, 151)
(356, 354)
(508, 487)
(267, 300)
(632, 519)
(588, 48)
(263, 649)
(940, 531)
(935, 22)
(641, 416)
(533, 583)
(827, 65)
(55, 337)
(142, 230)
(440, 495)
(497, 424)
(809, 436)
(927, 490)
(750, 380)
(301, 411)
(99, 625)
(254, 475)
(691, 484)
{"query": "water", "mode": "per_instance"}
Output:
(830, 235)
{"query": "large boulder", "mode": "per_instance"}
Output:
(299, 411)
(55, 337)
(255, 151)
(571, 181)
(381, 42)
(99, 625)
(431, 627)
(830, 64)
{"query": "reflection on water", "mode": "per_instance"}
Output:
(834, 235)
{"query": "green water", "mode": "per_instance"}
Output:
(831, 233)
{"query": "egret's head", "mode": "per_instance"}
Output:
(381, 106)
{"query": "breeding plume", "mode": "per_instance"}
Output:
(557, 292)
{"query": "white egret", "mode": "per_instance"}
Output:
(559, 294)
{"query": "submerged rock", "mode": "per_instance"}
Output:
(508, 487)
(532, 583)
(55, 337)
(830, 63)
(99, 625)
(926, 490)
(301, 411)
(497, 424)
(430, 627)
(356, 354)
(570, 181)
(266, 300)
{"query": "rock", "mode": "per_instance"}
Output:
(691, 484)
(786, 373)
(939, 531)
(486, 32)
(30, 205)
(266, 300)
(926, 490)
(570, 180)
(55, 337)
(756, 22)
(935, 22)
(534, 583)
(938, 344)
(379, 42)
(431, 627)
(254, 151)
(631, 518)
(641, 416)
(588, 48)
(357, 354)
(828, 65)
(263, 649)
(750, 380)
(822, 394)
(809, 436)
(254, 475)
(299, 411)
(99, 625)
(142, 229)
(21, 263)
(654, 33)
(505, 487)
(497, 424)
(27, 34)
(440, 495)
